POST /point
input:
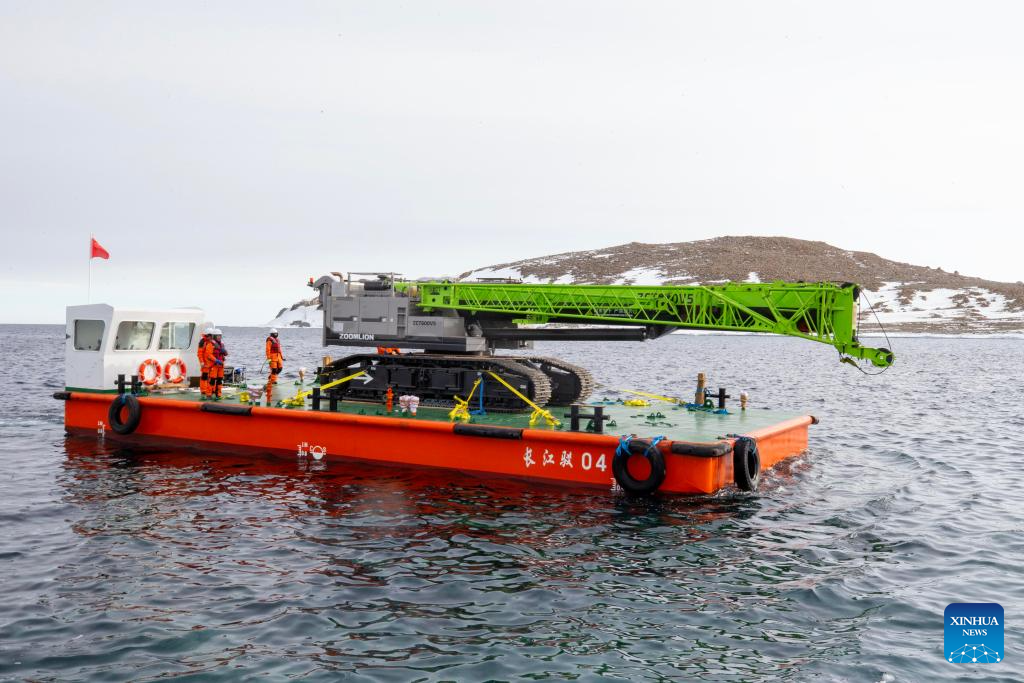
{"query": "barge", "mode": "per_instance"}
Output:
(674, 450)
(132, 376)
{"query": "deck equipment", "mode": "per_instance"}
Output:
(458, 326)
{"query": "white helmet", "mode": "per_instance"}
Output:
(207, 328)
(273, 330)
(215, 331)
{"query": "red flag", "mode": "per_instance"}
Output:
(96, 251)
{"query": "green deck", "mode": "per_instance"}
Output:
(658, 419)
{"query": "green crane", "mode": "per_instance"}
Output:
(460, 324)
(821, 312)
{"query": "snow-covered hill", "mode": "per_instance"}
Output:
(304, 313)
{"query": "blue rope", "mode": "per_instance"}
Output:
(654, 445)
(622, 450)
(480, 401)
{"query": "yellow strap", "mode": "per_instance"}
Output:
(461, 409)
(304, 394)
(548, 417)
(538, 412)
(669, 399)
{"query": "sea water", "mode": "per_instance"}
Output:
(140, 563)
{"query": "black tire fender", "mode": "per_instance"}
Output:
(648, 450)
(131, 423)
(746, 463)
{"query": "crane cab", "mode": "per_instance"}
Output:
(377, 309)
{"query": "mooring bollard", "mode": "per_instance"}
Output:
(597, 418)
(721, 396)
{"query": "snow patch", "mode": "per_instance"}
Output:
(512, 273)
(936, 305)
(303, 316)
(516, 274)
(641, 276)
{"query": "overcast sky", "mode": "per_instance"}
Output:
(224, 152)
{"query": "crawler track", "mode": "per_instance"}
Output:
(436, 378)
(569, 383)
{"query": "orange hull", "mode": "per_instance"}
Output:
(575, 458)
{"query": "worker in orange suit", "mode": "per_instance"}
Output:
(204, 366)
(216, 353)
(274, 358)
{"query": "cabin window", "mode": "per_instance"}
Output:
(176, 335)
(134, 335)
(89, 334)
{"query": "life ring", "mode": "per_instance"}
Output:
(746, 463)
(128, 425)
(182, 371)
(149, 363)
(650, 452)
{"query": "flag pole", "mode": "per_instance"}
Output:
(88, 294)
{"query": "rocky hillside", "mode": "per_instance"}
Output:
(304, 313)
(906, 297)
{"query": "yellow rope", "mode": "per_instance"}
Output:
(668, 399)
(299, 398)
(538, 412)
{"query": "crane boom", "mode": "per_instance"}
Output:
(822, 312)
